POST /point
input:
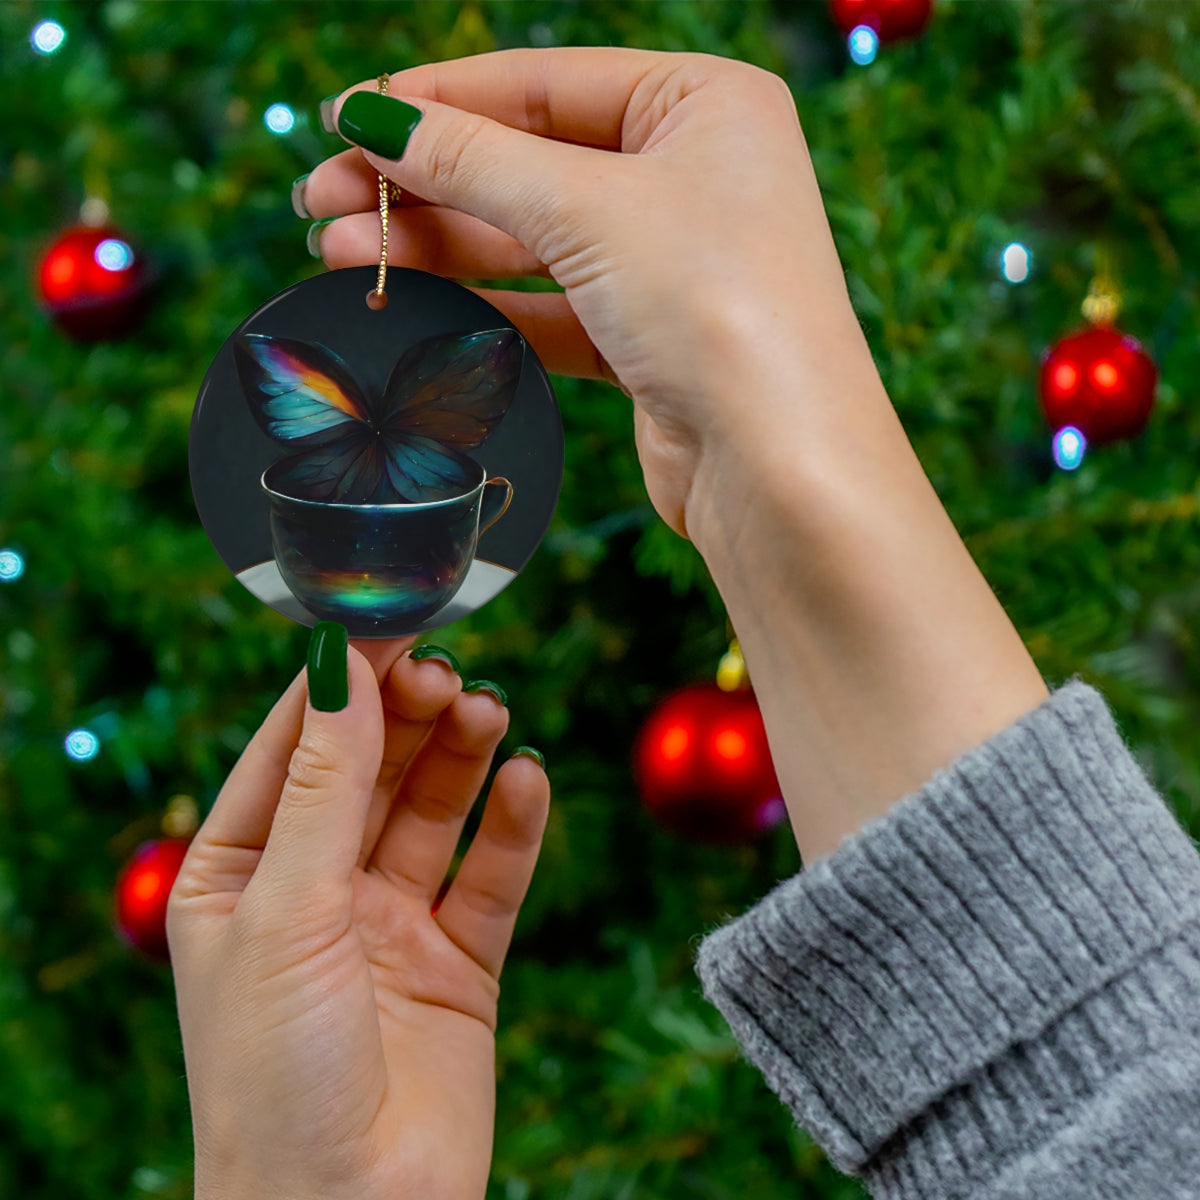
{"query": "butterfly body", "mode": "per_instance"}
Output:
(444, 396)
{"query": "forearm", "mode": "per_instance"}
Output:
(877, 650)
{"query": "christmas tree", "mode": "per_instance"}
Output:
(133, 667)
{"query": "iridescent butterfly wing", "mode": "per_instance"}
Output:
(445, 396)
(304, 396)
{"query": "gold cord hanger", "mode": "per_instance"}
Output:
(389, 193)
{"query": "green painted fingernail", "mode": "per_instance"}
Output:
(328, 674)
(326, 111)
(298, 205)
(437, 652)
(486, 685)
(313, 240)
(378, 123)
(530, 752)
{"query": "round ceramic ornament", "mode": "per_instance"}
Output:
(388, 467)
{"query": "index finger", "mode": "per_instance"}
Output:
(569, 93)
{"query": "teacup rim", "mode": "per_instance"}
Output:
(402, 506)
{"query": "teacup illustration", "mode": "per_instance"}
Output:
(382, 568)
(376, 514)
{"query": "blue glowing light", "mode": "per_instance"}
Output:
(1069, 447)
(47, 36)
(1016, 262)
(82, 744)
(279, 118)
(114, 255)
(12, 566)
(863, 44)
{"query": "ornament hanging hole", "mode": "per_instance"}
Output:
(377, 301)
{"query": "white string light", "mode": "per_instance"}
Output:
(12, 566)
(82, 745)
(863, 44)
(47, 37)
(279, 119)
(1069, 447)
(1016, 262)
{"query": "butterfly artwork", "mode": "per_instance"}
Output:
(406, 445)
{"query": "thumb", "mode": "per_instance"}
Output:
(317, 831)
(517, 182)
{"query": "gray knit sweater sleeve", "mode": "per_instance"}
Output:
(994, 990)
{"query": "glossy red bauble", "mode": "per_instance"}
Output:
(93, 283)
(1101, 381)
(142, 891)
(892, 20)
(704, 769)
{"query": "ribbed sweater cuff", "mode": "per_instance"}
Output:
(970, 959)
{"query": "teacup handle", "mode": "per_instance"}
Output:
(486, 503)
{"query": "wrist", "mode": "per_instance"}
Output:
(878, 651)
(792, 428)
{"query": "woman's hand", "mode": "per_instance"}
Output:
(699, 248)
(673, 198)
(338, 1035)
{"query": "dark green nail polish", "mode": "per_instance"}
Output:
(486, 685)
(420, 653)
(326, 111)
(530, 752)
(328, 675)
(313, 239)
(298, 205)
(377, 123)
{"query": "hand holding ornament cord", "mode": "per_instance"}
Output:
(673, 198)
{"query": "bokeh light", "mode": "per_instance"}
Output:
(674, 744)
(114, 255)
(731, 745)
(1064, 377)
(279, 118)
(1069, 447)
(47, 36)
(12, 566)
(1016, 262)
(863, 44)
(82, 745)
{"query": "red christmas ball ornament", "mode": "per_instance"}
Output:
(93, 283)
(1100, 381)
(892, 20)
(704, 769)
(142, 890)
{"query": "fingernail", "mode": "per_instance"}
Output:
(377, 123)
(486, 685)
(530, 752)
(328, 674)
(326, 111)
(298, 205)
(438, 652)
(313, 238)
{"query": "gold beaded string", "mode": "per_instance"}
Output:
(389, 193)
